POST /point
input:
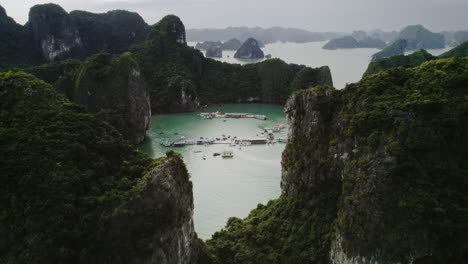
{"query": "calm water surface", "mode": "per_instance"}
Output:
(346, 65)
(223, 187)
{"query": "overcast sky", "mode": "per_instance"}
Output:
(314, 15)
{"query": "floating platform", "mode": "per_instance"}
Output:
(231, 115)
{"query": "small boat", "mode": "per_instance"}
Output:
(180, 143)
(227, 154)
(204, 157)
(216, 154)
(176, 133)
(166, 143)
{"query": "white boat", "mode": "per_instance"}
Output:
(227, 154)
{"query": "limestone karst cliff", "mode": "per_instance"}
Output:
(73, 191)
(371, 173)
(114, 89)
(395, 49)
(250, 49)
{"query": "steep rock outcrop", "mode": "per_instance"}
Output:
(16, 49)
(371, 173)
(347, 42)
(214, 52)
(113, 32)
(160, 216)
(419, 37)
(232, 44)
(115, 90)
(73, 191)
(208, 44)
(250, 49)
(54, 32)
(395, 49)
(371, 162)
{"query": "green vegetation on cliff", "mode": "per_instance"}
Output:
(395, 49)
(15, 47)
(413, 60)
(113, 88)
(376, 170)
(113, 32)
(73, 191)
(62, 171)
(459, 51)
(181, 79)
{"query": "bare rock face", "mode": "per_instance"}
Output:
(53, 31)
(378, 161)
(159, 219)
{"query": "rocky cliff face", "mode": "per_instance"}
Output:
(373, 173)
(369, 151)
(419, 37)
(91, 197)
(114, 89)
(52, 34)
(250, 49)
(53, 31)
(113, 32)
(159, 217)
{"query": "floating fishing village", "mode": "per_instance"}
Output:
(267, 137)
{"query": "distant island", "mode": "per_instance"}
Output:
(414, 37)
(263, 35)
(250, 50)
(349, 42)
(418, 37)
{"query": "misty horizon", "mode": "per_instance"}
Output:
(301, 14)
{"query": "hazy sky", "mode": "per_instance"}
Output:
(314, 15)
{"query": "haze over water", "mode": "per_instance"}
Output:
(346, 65)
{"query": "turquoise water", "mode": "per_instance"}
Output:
(223, 187)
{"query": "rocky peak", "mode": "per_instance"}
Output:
(214, 52)
(309, 116)
(173, 28)
(113, 88)
(2, 12)
(164, 204)
(53, 31)
(250, 49)
(395, 49)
